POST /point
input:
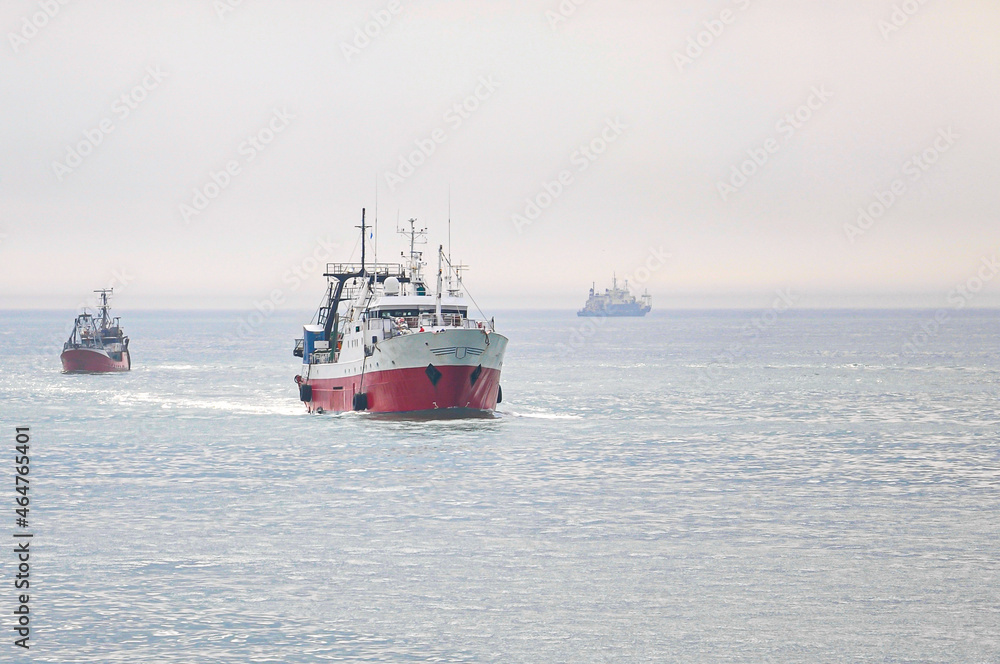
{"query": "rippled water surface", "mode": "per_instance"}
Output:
(653, 492)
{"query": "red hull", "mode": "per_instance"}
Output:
(409, 390)
(85, 360)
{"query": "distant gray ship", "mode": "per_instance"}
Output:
(616, 302)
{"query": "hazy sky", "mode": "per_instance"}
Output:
(626, 123)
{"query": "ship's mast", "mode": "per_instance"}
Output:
(105, 318)
(437, 299)
(416, 237)
(413, 234)
(363, 291)
(362, 242)
(450, 269)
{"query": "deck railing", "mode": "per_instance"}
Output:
(380, 269)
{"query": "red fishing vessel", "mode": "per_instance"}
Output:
(97, 344)
(382, 341)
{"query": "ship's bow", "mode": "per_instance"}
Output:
(435, 371)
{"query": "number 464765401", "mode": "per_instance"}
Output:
(21, 478)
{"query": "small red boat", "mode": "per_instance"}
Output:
(96, 345)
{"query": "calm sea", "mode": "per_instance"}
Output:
(690, 487)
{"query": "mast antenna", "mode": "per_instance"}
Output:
(362, 227)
